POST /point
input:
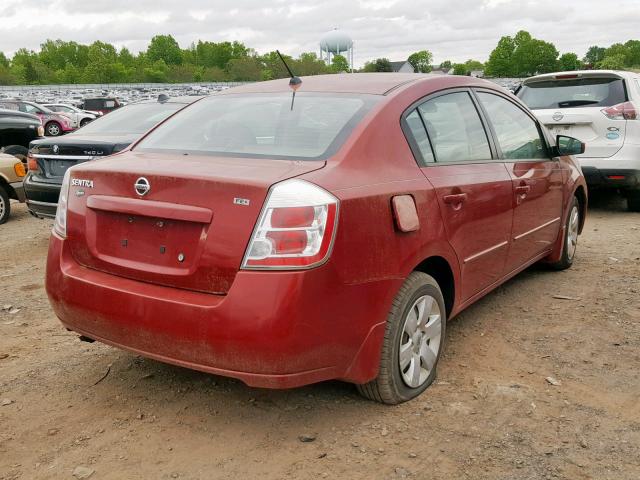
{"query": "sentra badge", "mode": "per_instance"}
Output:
(79, 182)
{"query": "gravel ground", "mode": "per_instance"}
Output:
(530, 387)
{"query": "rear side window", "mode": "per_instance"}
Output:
(575, 93)
(262, 125)
(517, 133)
(419, 134)
(454, 128)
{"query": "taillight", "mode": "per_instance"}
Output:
(32, 164)
(295, 229)
(60, 224)
(622, 111)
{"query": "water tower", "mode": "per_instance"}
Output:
(334, 43)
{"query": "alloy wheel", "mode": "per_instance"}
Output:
(420, 341)
(572, 232)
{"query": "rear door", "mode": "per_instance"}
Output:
(473, 188)
(573, 104)
(537, 179)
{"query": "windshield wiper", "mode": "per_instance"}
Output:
(577, 103)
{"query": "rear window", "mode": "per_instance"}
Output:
(576, 93)
(131, 119)
(262, 125)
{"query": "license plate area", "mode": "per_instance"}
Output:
(151, 244)
(57, 168)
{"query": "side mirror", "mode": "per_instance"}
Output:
(568, 146)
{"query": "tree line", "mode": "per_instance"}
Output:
(164, 60)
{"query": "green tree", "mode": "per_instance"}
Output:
(532, 56)
(594, 55)
(632, 55)
(569, 61)
(421, 61)
(165, 48)
(308, 63)
(245, 69)
(612, 62)
(339, 64)
(500, 62)
(378, 65)
(446, 64)
(460, 69)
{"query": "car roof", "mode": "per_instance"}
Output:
(363, 83)
(17, 113)
(581, 74)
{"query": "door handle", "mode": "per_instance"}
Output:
(522, 189)
(456, 198)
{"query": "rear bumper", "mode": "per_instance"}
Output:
(41, 198)
(622, 170)
(272, 329)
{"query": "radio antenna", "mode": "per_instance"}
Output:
(294, 82)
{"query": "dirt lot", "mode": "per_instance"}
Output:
(491, 415)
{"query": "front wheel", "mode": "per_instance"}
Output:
(570, 243)
(412, 344)
(53, 129)
(84, 121)
(5, 206)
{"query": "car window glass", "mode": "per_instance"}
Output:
(109, 104)
(455, 129)
(575, 93)
(517, 133)
(262, 125)
(419, 134)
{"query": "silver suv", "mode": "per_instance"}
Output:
(601, 108)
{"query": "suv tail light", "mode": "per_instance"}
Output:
(60, 224)
(622, 111)
(295, 229)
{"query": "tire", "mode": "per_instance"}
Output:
(633, 201)
(53, 129)
(84, 121)
(5, 205)
(397, 380)
(17, 151)
(570, 240)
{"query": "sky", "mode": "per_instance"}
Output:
(454, 30)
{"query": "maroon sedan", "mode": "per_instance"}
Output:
(332, 237)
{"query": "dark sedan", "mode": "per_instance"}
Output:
(50, 158)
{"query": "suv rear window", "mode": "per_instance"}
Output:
(575, 93)
(262, 125)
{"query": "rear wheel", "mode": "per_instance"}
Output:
(572, 227)
(53, 129)
(5, 206)
(84, 121)
(633, 201)
(412, 343)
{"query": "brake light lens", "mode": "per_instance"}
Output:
(295, 229)
(622, 111)
(60, 224)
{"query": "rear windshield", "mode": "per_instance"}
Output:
(580, 92)
(262, 125)
(131, 119)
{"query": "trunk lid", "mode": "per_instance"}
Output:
(603, 136)
(190, 230)
(55, 156)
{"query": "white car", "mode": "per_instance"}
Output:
(79, 117)
(601, 108)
